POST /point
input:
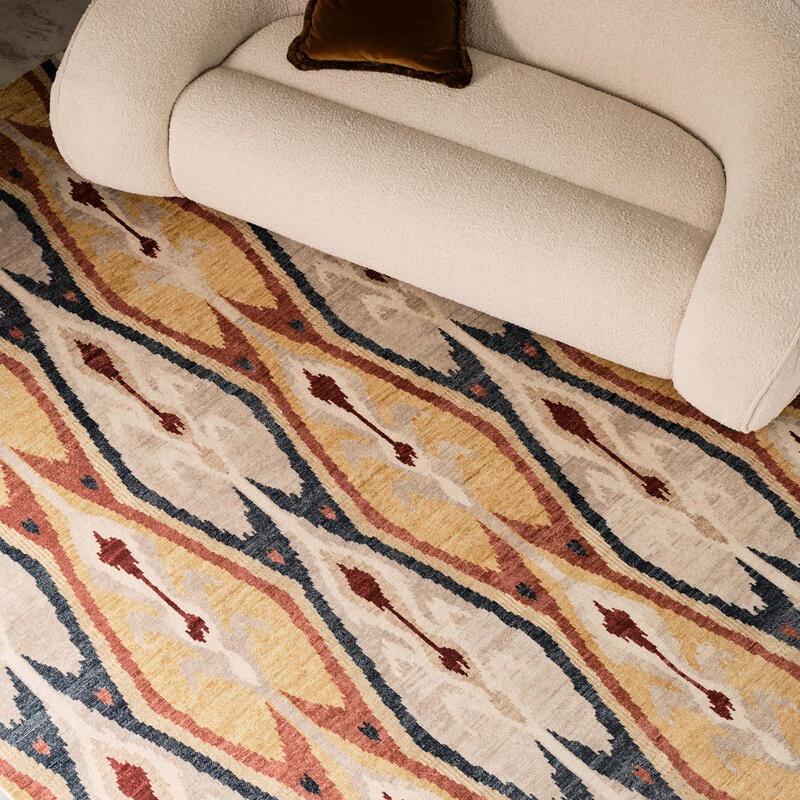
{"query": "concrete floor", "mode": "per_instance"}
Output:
(32, 30)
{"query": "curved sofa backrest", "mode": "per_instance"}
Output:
(728, 71)
(126, 65)
(702, 63)
(708, 65)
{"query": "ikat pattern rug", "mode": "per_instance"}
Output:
(273, 525)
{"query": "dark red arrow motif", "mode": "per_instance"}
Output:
(570, 420)
(367, 588)
(620, 624)
(99, 361)
(325, 388)
(86, 194)
(115, 553)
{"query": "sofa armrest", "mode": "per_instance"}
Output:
(125, 67)
(737, 356)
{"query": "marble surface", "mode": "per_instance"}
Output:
(32, 30)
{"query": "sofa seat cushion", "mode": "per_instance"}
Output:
(400, 176)
(526, 115)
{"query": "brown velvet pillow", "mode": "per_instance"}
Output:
(420, 38)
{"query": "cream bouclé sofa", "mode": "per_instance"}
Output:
(623, 175)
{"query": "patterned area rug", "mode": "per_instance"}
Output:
(273, 525)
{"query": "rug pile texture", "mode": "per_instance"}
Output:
(273, 525)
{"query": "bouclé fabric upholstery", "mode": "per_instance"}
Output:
(621, 174)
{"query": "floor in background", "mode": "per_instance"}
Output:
(32, 30)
